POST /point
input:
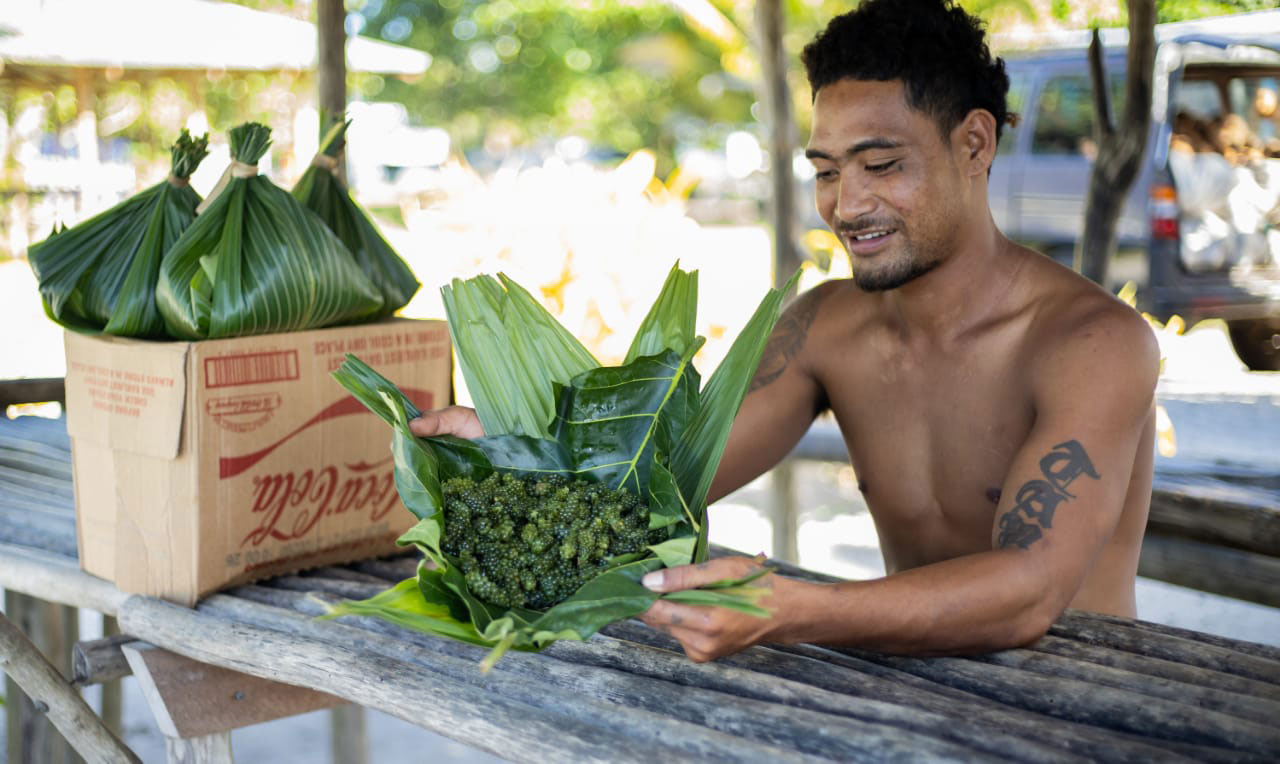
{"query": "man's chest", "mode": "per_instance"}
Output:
(931, 441)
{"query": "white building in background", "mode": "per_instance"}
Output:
(47, 44)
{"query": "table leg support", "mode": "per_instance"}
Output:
(347, 730)
(210, 749)
(65, 709)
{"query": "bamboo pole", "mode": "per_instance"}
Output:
(64, 707)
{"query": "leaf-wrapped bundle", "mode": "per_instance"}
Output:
(101, 274)
(646, 429)
(323, 192)
(256, 261)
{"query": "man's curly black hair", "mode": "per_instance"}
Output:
(937, 49)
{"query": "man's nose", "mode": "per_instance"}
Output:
(854, 199)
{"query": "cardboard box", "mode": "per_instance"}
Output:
(210, 464)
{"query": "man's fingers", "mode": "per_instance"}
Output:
(668, 615)
(693, 576)
(459, 421)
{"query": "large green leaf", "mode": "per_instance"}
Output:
(670, 322)
(405, 604)
(512, 353)
(696, 456)
(101, 274)
(256, 261)
(321, 191)
(645, 427)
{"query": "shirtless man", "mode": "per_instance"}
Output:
(998, 408)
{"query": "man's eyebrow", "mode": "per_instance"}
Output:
(857, 148)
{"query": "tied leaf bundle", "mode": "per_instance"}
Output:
(101, 274)
(256, 261)
(634, 447)
(323, 192)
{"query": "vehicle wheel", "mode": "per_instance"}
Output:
(1257, 342)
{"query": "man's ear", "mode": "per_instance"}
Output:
(974, 141)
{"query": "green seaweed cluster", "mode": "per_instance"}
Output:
(532, 542)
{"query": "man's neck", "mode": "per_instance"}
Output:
(960, 292)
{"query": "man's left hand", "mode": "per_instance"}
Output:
(707, 633)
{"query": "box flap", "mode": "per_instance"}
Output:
(126, 394)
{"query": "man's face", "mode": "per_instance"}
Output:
(886, 181)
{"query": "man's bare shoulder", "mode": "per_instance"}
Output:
(1082, 331)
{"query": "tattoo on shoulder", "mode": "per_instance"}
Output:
(787, 339)
(1037, 499)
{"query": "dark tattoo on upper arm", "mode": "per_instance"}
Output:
(1037, 499)
(788, 337)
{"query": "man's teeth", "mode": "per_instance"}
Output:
(869, 236)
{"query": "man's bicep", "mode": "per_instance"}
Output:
(1065, 491)
(781, 402)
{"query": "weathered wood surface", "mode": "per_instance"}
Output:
(1211, 567)
(52, 695)
(50, 629)
(37, 390)
(347, 736)
(211, 749)
(99, 660)
(1097, 688)
(192, 700)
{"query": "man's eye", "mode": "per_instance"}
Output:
(825, 174)
(881, 167)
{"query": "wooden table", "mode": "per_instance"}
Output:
(1096, 688)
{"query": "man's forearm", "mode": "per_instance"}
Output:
(978, 603)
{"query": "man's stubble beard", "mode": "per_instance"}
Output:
(908, 267)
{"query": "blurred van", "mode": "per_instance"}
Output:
(1205, 210)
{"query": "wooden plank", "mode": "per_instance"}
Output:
(99, 660)
(1087, 703)
(211, 749)
(40, 680)
(680, 683)
(57, 578)
(112, 711)
(1206, 696)
(1157, 667)
(1083, 618)
(393, 569)
(51, 628)
(828, 669)
(347, 736)
(485, 715)
(1211, 568)
(1210, 514)
(191, 700)
(580, 690)
(1097, 743)
(1169, 647)
(38, 390)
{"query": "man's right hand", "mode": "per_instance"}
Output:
(459, 421)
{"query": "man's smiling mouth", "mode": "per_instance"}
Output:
(871, 235)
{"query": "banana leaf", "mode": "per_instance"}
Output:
(648, 426)
(256, 261)
(323, 192)
(101, 274)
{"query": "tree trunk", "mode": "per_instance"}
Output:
(776, 99)
(331, 65)
(1120, 148)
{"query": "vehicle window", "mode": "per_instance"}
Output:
(1064, 117)
(1255, 99)
(1198, 99)
(1019, 83)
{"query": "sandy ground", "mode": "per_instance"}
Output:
(836, 534)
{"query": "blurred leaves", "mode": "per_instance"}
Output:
(624, 75)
